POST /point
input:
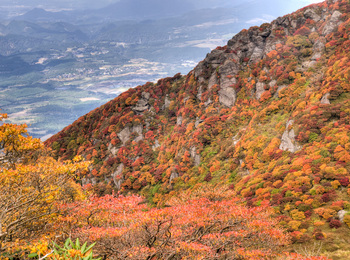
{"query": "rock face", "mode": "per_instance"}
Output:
(260, 89)
(117, 176)
(173, 176)
(325, 99)
(142, 104)
(288, 142)
(179, 120)
(125, 134)
(227, 96)
(112, 150)
(221, 66)
(167, 102)
(332, 23)
(196, 157)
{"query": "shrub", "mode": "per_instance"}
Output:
(335, 223)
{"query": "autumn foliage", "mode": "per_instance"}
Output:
(187, 136)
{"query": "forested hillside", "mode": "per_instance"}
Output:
(265, 118)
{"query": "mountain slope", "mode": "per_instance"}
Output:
(268, 116)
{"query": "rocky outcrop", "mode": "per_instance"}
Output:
(227, 96)
(251, 45)
(260, 89)
(112, 150)
(311, 14)
(173, 175)
(332, 23)
(167, 102)
(341, 215)
(318, 48)
(179, 120)
(213, 80)
(288, 142)
(325, 99)
(117, 176)
(125, 134)
(227, 74)
(142, 104)
(198, 121)
(196, 157)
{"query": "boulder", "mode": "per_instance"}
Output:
(325, 99)
(288, 142)
(260, 89)
(341, 215)
(227, 96)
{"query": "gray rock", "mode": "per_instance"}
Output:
(288, 142)
(318, 48)
(260, 89)
(341, 215)
(167, 102)
(307, 64)
(179, 120)
(196, 157)
(227, 96)
(156, 145)
(138, 129)
(258, 54)
(325, 99)
(272, 83)
(227, 74)
(142, 104)
(213, 80)
(112, 150)
(87, 180)
(200, 92)
(198, 121)
(208, 102)
(332, 23)
(118, 177)
(236, 139)
(311, 14)
(125, 134)
(173, 176)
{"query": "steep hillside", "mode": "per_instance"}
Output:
(267, 116)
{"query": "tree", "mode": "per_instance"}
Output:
(31, 184)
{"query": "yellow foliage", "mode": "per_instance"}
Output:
(31, 185)
(297, 215)
(294, 224)
(335, 184)
(347, 220)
